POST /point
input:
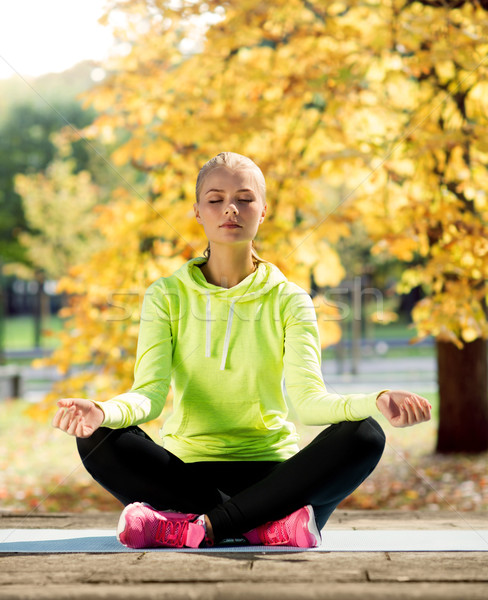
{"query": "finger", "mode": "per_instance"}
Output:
(80, 428)
(83, 431)
(409, 412)
(75, 422)
(416, 411)
(422, 413)
(428, 407)
(60, 418)
(403, 418)
(422, 401)
(66, 419)
(57, 417)
(65, 402)
(424, 408)
(410, 415)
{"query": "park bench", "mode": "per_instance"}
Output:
(11, 384)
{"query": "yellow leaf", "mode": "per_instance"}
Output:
(469, 334)
(384, 317)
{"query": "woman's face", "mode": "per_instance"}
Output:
(230, 196)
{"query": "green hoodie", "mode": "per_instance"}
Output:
(225, 351)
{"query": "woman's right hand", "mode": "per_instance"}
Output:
(78, 416)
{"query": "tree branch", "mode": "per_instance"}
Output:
(450, 4)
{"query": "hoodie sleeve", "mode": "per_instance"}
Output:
(152, 369)
(304, 383)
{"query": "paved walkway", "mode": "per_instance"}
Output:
(418, 374)
(287, 576)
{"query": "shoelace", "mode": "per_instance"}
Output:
(172, 533)
(276, 534)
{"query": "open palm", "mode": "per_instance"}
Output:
(78, 416)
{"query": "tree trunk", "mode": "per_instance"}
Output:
(463, 395)
(41, 310)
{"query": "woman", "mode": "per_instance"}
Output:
(223, 329)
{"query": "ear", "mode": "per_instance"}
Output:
(197, 212)
(263, 213)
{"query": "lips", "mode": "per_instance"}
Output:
(230, 225)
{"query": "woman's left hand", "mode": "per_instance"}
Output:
(403, 409)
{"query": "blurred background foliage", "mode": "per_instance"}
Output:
(369, 121)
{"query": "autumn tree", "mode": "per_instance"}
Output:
(59, 206)
(26, 147)
(365, 96)
(430, 80)
(172, 111)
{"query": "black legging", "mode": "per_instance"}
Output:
(236, 496)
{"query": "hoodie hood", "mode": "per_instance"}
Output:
(256, 284)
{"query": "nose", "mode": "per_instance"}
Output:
(232, 207)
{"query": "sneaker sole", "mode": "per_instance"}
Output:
(312, 526)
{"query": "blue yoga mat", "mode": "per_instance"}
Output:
(105, 540)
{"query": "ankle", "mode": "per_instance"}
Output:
(209, 528)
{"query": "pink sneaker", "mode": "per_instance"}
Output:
(142, 526)
(298, 529)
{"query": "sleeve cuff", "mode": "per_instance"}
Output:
(111, 411)
(377, 396)
(371, 403)
(364, 406)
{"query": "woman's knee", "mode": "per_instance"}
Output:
(87, 446)
(365, 436)
(371, 436)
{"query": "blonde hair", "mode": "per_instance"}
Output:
(234, 162)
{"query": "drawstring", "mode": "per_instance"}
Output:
(209, 331)
(227, 332)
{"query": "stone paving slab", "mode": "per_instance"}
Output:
(291, 575)
(260, 591)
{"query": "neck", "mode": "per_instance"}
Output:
(226, 267)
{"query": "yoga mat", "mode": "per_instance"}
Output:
(105, 540)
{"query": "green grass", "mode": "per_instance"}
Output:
(401, 330)
(393, 352)
(19, 332)
(373, 333)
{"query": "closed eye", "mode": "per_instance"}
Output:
(240, 199)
